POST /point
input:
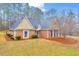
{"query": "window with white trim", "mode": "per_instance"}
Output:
(25, 33)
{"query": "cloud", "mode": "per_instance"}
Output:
(39, 5)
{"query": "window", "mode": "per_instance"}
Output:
(25, 33)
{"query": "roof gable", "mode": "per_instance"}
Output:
(25, 24)
(29, 23)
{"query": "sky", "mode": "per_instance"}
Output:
(39, 5)
(58, 6)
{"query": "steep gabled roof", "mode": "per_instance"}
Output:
(29, 23)
(34, 22)
(23, 23)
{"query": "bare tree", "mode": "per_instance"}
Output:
(65, 23)
(69, 23)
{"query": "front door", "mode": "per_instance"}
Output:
(37, 33)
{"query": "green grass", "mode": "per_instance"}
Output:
(36, 47)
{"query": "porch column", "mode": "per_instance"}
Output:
(38, 33)
(47, 34)
(53, 33)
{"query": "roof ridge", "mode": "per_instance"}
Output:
(18, 22)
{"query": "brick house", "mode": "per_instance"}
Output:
(26, 29)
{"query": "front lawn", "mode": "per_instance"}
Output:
(36, 47)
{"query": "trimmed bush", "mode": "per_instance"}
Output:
(34, 36)
(18, 37)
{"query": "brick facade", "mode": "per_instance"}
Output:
(41, 33)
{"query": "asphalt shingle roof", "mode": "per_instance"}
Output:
(44, 25)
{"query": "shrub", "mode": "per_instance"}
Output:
(18, 37)
(34, 36)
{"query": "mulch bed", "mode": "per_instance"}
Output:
(66, 40)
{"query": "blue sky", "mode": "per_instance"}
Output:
(60, 6)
